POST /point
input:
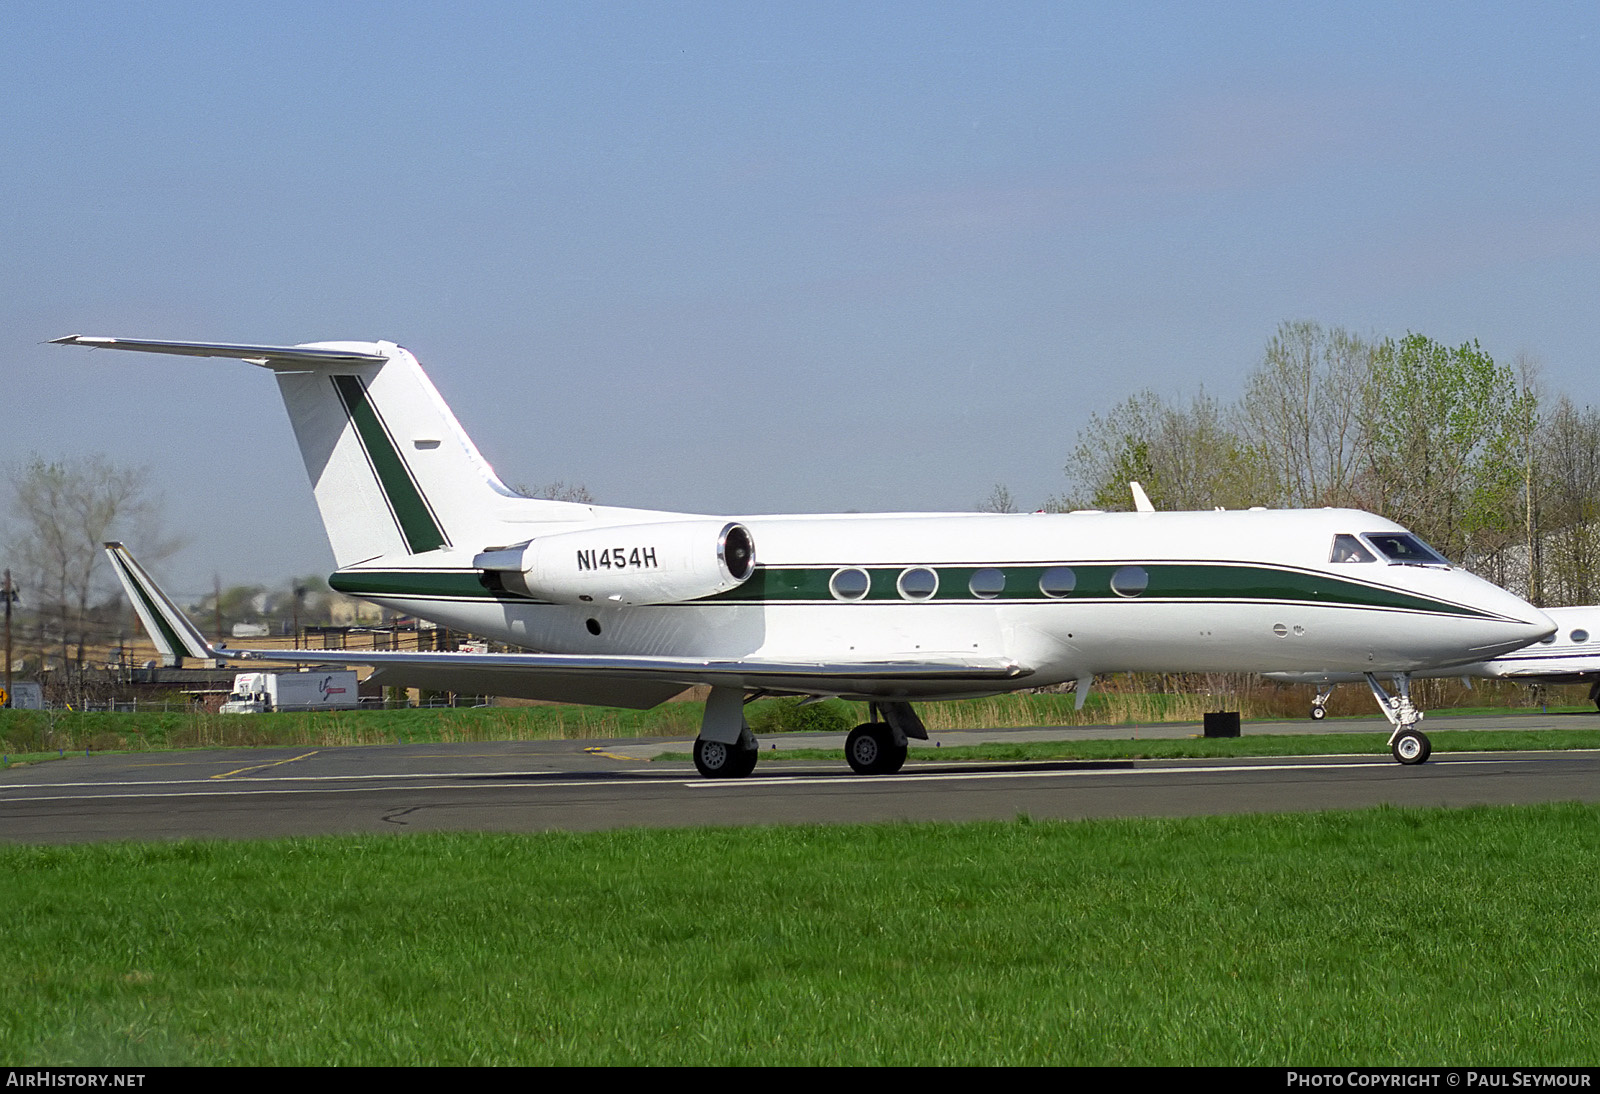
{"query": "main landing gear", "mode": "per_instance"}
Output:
(879, 747)
(716, 760)
(726, 749)
(1407, 743)
(870, 750)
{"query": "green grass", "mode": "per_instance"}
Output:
(33, 736)
(1386, 937)
(46, 731)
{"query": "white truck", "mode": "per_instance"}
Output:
(260, 692)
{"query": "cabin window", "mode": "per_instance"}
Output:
(849, 583)
(1057, 581)
(987, 584)
(1405, 549)
(917, 583)
(1580, 636)
(1347, 548)
(1548, 640)
(1130, 581)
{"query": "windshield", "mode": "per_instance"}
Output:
(1405, 548)
(1347, 548)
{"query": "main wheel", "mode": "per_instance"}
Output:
(870, 750)
(1318, 713)
(716, 760)
(1412, 747)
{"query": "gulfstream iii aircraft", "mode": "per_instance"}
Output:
(627, 607)
(1570, 655)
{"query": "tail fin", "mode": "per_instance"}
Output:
(168, 627)
(393, 471)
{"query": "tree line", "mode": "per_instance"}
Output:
(68, 606)
(1461, 449)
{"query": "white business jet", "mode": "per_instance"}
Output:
(1569, 655)
(628, 607)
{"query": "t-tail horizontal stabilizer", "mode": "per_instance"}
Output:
(259, 355)
(168, 627)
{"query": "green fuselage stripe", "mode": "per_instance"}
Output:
(417, 524)
(433, 584)
(1092, 581)
(1168, 582)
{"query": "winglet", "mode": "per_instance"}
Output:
(1141, 500)
(168, 627)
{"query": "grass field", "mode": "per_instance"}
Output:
(1118, 702)
(1382, 937)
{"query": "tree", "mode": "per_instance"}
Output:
(63, 511)
(998, 501)
(1185, 458)
(1568, 476)
(1302, 411)
(1443, 443)
(559, 490)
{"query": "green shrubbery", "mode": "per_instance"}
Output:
(797, 716)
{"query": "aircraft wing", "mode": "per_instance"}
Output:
(627, 681)
(645, 681)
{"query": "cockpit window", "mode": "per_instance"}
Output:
(1405, 548)
(1349, 549)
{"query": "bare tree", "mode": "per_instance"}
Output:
(1568, 469)
(63, 512)
(559, 490)
(1302, 410)
(1185, 457)
(998, 501)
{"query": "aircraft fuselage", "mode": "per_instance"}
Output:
(1068, 595)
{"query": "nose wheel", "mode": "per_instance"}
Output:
(1319, 705)
(1411, 746)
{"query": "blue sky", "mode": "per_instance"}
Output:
(742, 258)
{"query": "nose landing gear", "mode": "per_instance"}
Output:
(1408, 744)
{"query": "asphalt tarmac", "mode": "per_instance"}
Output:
(589, 785)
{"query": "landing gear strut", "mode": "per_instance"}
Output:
(1407, 743)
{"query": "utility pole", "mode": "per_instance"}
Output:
(9, 594)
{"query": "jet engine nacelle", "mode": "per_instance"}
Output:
(665, 563)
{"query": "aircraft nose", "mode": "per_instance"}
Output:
(1515, 624)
